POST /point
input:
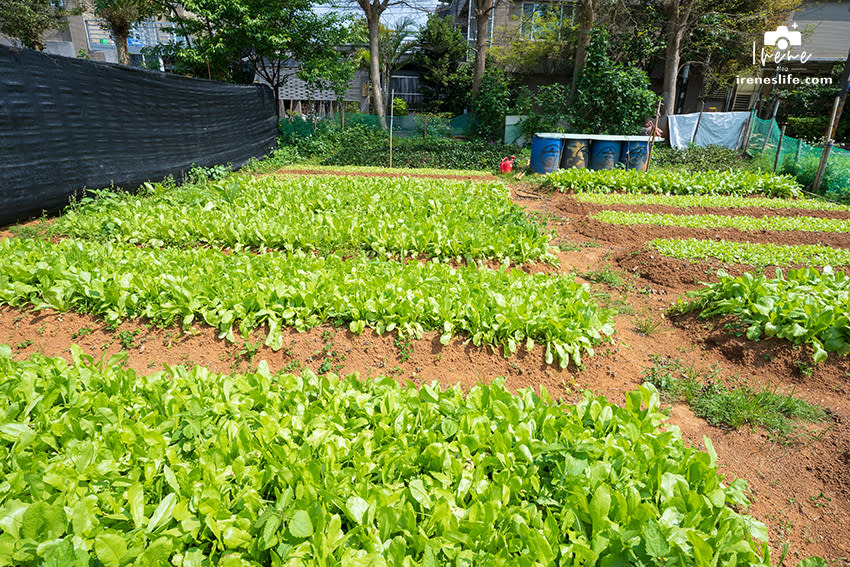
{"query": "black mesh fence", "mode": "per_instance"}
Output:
(68, 124)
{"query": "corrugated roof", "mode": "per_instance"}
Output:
(825, 40)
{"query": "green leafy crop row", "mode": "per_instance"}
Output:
(686, 201)
(401, 216)
(297, 289)
(736, 182)
(807, 224)
(802, 306)
(186, 468)
(449, 173)
(756, 255)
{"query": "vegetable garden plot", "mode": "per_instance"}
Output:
(729, 201)
(757, 255)
(117, 281)
(386, 217)
(674, 183)
(802, 306)
(185, 467)
(805, 224)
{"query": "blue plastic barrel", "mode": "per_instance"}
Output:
(574, 154)
(545, 154)
(604, 154)
(633, 155)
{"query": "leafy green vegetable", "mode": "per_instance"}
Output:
(808, 224)
(756, 255)
(737, 182)
(384, 217)
(802, 306)
(244, 290)
(686, 201)
(314, 470)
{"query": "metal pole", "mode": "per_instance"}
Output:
(425, 127)
(209, 73)
(392, 112)
(767, 135)
(827, 147)
(797, 155)
(779, 147)
(652, 134)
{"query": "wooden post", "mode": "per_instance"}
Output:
(392, 112)
(779, 147)
(827, 147)
(699, 119)
(652, 134)
(343, 118)
(747, 131)
(209, 73)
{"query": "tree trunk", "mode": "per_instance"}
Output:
(482, 21)
(375, 69)
(677, 14)
(121, 35)
(586, 18)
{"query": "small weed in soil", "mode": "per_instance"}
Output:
(405, 348)
(732, 407)
(82, 333)
(571, 246)
(249, 350)
(609, 276)
(23, 345)
(128, 338)
(646, 323)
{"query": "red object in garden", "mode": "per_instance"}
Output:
(507, 164)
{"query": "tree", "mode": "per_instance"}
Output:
(120, 15)
(27, 20)
(446, 79)
(678, 15)
(373, 10)
(610, 98)
(271, 36)
(483, 10)
(395, 50)
(586, 18)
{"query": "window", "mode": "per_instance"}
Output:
(537, 15)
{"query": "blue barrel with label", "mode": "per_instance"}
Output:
(545, 153)
(604, 154)
(633, 155)
(574, 154)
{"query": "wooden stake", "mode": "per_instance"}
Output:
(392, 112)
(652, 134)
(779, 147)
(827, 147)
(699, 119)
(747, 131)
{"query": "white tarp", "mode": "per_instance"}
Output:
(715, 129)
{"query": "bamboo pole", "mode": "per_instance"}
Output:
(747, 131)
(779, 147)
(392, 112)
(827, 147)
(652, 134)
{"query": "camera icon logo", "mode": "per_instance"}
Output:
(783, 38)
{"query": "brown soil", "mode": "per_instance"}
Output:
(800, 487)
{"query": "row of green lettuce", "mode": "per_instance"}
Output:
(717, 201)
(747, 223)
(756, 255)
(379, 216)
(186, 468)
(244, 291)
(733, 182)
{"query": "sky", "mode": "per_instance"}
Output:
(418, 10)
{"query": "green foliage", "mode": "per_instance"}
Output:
(245, 291)
(725, 201)
(400, 107)
(813, 128)
(446, 80)
(732, 407)
(700, 158)
(548, 109)
(610, 98)
(674, 183)
(380, 216)
(490, 105)
(810, 224)
(27, 20)
(757, 255)
(804, 306)
(188, 467)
